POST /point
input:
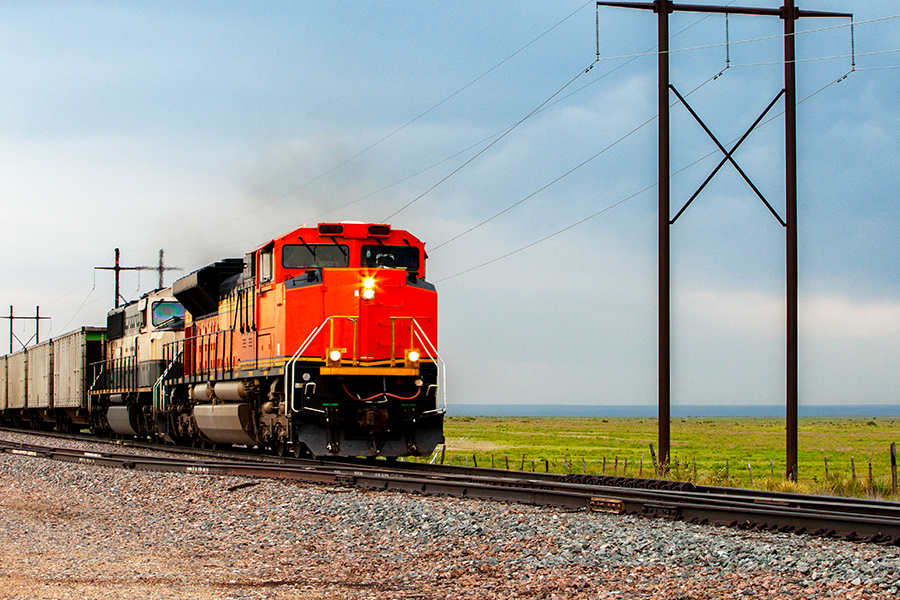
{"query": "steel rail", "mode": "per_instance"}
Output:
(850, 519)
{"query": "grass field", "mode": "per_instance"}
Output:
(589, 443)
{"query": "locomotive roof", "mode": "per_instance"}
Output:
(344, 229)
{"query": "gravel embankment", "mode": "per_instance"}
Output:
(85, 532)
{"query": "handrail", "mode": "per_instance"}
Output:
(442, 367)
(157, 397)
(98, 376)
(122, 372)
(412, 322)
(289, 367)
(415, 331)
(355, 321)
(205, 361)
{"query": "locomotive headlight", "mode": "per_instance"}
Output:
(411, 359)
(333, 356)
(368, 288)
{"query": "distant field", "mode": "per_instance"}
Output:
(708, 442)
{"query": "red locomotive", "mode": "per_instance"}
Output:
(321, 340)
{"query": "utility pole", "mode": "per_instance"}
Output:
(161, 269)
(788, 13)
(37, 330)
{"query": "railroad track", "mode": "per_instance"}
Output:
(844, 518)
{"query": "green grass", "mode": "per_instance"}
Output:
(708, 443)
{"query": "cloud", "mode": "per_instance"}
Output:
(747, 313)
(842, 318)
(729, 347)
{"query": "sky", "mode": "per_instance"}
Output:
(517, 139)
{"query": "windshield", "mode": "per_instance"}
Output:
(167, 312)
(314, 256)
(391, 257)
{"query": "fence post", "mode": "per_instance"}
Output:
(603, 472)
(532, 465)
(567, 465)
(625, 468)
(894, 469)
(507, 461)
(727, 476)
(772, 471)
(583, 466)
(871, 481)
(443, 450)
(475, 460)
(750, 470)
(616, 465)
(853, 470)
(523, 463)
(826, 469)
(641, 469)
(695, 469)
(546, 466)
(653, 458)
(492, 460)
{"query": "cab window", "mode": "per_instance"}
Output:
(390, 257)
(314, 256)
(167, 314)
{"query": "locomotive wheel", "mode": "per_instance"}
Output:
(280, 449)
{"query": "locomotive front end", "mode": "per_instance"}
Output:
(365, 379)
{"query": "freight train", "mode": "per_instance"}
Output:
(322, 341)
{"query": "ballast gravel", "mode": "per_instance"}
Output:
(75, 531)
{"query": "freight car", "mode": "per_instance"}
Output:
(46, 385)
(321, 341)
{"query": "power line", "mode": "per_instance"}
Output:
(820, 58)
(395, 131)
(78, 310)
(552, 235)
(624, 200)
(507, 129)
(160, 269)
(416, 174)
(489, 146)
(649, 121)
(540, 109)
(570, 171)
(547, 104)
(751, 40)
